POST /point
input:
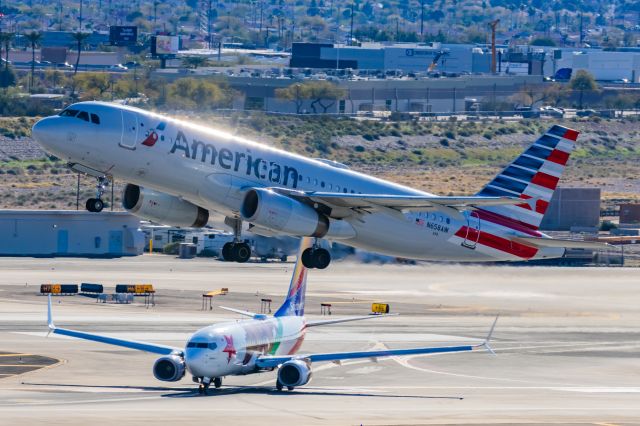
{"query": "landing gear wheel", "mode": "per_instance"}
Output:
(241, 252)
(94, 205)
(321, 258)
(227, 252)
(279, 386)
(290, 388)
(307, 258)
(201, 389)
(204, 386)
(217, 382)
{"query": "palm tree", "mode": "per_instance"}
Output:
(5, 39)
(33, 38)
(80, 38)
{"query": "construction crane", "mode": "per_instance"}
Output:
(439, 54)
(493, 25)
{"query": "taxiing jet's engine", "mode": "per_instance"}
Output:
(268, 209)
(163, 208)
(169, 368)
(294, 373)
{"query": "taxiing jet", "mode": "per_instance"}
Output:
(261, 343)
(179, 172)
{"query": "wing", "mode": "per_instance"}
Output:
(397, 202)
(131, 344)
(274, 361)
(339, 320)
(554, 242)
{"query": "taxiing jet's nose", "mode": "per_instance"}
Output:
(47, 132)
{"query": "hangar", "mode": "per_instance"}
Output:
(69, 233)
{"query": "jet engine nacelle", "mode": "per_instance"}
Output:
(169, 368)
(163, 208)
(294, 373)
(285, 215)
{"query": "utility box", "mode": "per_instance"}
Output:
(187, 251)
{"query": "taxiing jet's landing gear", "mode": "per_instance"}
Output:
(204, 385)
(236, 251)
(217, 382)
(95, 205)
(280, 386)
(316, 257)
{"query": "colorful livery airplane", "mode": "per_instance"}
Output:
(261, 343)
(178, 172)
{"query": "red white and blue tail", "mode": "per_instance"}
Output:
(533, 176)
(294, 303)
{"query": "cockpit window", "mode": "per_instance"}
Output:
(69, 113)
(83, 115)
(95, 119)
(202, 345)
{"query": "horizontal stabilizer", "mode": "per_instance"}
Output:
(242, 312)
(559, 243)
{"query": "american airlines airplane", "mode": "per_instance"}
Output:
(262, 343)
(178, 172)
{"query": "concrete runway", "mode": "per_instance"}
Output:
(567, 345)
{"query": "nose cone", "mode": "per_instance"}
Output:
(48, 132)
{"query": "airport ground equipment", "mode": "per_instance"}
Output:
(59, 289)
(91, 288)
(210, 295)
(380, 308)
(258, 344)
(325, 309)
(265, 306)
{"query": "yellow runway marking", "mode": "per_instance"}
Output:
(15, 355)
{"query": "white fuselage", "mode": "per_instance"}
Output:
(213, 169)
(232, 347)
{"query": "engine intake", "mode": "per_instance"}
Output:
(271, 210)
(163, 208)
(169, 368)
(295, 372)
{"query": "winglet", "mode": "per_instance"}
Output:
(487, 340)
(50, 317)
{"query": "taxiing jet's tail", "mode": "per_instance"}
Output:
(533, 176)
(294, 303)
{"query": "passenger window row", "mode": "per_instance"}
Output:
(324, 185)
(82, 115)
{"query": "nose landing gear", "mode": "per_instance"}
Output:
(205, 383)
(95, 205)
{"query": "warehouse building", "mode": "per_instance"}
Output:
(69, 233)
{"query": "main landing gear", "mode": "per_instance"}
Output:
(236, 251)
(316, 257)
(205, 383)
(95, 205)
(280, 386)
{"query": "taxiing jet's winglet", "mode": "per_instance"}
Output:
(486, 342)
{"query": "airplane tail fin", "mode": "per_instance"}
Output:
(533, 176)
(293, 304)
